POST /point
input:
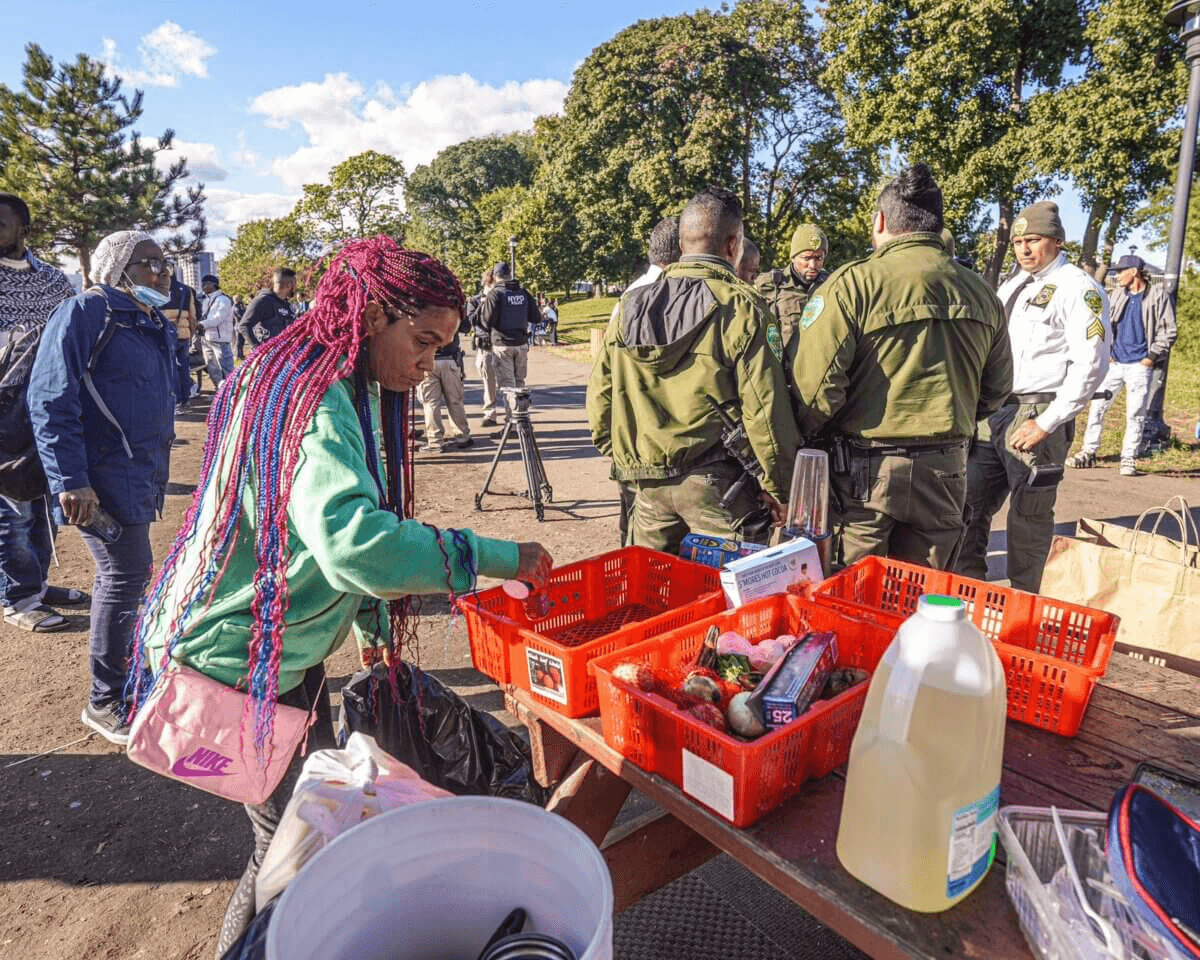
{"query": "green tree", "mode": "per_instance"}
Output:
(363, 198)
(258, 248)
(672, 104)
(1115, 127)
(950, 84)
(444, 197)
(68, 147)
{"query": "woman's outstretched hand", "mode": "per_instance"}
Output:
(535, 564)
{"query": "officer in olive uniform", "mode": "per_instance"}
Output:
(698, 332)
(903, 352)
(1057, 318)
(787, 291)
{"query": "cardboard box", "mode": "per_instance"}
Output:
(778, 570)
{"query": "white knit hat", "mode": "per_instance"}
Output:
(113, 254)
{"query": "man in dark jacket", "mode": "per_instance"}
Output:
(270, 311)
(29, 292)
(508, 311)
(102, 402)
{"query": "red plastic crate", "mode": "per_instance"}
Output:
(1053, 652)
(598, 605)
(740, 780)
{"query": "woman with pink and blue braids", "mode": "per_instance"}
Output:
(296, 534)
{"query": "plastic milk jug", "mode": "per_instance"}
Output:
(919, 817)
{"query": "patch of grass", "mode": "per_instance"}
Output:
(1180, 410)
(577, 317)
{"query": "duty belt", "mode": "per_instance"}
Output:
(1029, 398)
(875, 448)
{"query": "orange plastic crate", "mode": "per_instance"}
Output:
(598, 605)
(1053, 652)
(740, 780)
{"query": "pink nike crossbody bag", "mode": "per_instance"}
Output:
(198, 731)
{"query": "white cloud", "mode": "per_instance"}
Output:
(202, 160)
(166, 52)
(414, 124)
(226, 210)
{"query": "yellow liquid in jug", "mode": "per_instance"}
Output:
(907, 804)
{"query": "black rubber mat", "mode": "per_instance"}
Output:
(723, 912)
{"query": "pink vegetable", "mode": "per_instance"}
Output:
(732, 642)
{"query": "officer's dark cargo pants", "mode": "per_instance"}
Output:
(666, 511)
(994, 472)
(905, 507)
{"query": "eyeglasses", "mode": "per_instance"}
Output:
(154, 264)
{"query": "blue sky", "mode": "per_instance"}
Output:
(266, 97)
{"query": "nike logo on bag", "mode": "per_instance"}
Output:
(202, 763)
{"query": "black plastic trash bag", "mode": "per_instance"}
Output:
(441, 736)
(252, 945)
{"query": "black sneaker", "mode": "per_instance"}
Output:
(463, 442)
(108, 721)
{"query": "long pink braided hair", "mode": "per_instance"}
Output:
(267, 405)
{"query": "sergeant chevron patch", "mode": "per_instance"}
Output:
(1095, 329)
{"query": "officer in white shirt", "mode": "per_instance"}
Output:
(1058, 326)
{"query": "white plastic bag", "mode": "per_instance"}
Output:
(336, 790)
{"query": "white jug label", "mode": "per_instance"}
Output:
(972, 843)
(708, 783)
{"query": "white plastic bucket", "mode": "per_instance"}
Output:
(433, 881)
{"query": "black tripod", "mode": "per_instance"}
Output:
(540, 492)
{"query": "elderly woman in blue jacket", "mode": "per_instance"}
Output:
(102, 401)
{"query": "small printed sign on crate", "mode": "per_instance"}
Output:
(546, 675)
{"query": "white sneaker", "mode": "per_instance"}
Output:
(1129, 469)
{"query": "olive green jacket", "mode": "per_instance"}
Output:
(786, 295)
(697, 331)
(903, 345)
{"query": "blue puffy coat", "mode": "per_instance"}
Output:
(134, 375)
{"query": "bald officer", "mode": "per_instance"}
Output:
(1058, 325)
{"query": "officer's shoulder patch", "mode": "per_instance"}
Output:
(1094, 302)
(1020, 225)
(775, 339)
(812, 310)
(1044, 295)
(1095, 329)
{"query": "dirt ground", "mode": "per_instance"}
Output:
(100, 859)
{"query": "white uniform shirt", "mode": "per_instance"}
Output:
(1060, 337)
(653, 272)
(218, 318)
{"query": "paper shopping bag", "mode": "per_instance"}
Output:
(1150, 581)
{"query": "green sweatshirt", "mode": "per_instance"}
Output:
(345, 551)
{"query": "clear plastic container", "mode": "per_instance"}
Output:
(433, 881)
(808, 501)
(1054, 922)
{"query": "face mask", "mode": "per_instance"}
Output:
(148, 295)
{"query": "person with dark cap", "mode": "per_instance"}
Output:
(788, 291)
(507, 313)
(663, 251)
(217, 330)
(1058, 324)
(696, 334)
(1143, 324)
(904, 351)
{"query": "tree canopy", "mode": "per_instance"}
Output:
(68, 147)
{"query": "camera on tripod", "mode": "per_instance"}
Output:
(517, 397)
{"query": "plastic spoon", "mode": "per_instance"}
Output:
(1112, 942)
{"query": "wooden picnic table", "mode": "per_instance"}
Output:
(1138, 712)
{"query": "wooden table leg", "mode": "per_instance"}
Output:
(590, 797)
(650, 852)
